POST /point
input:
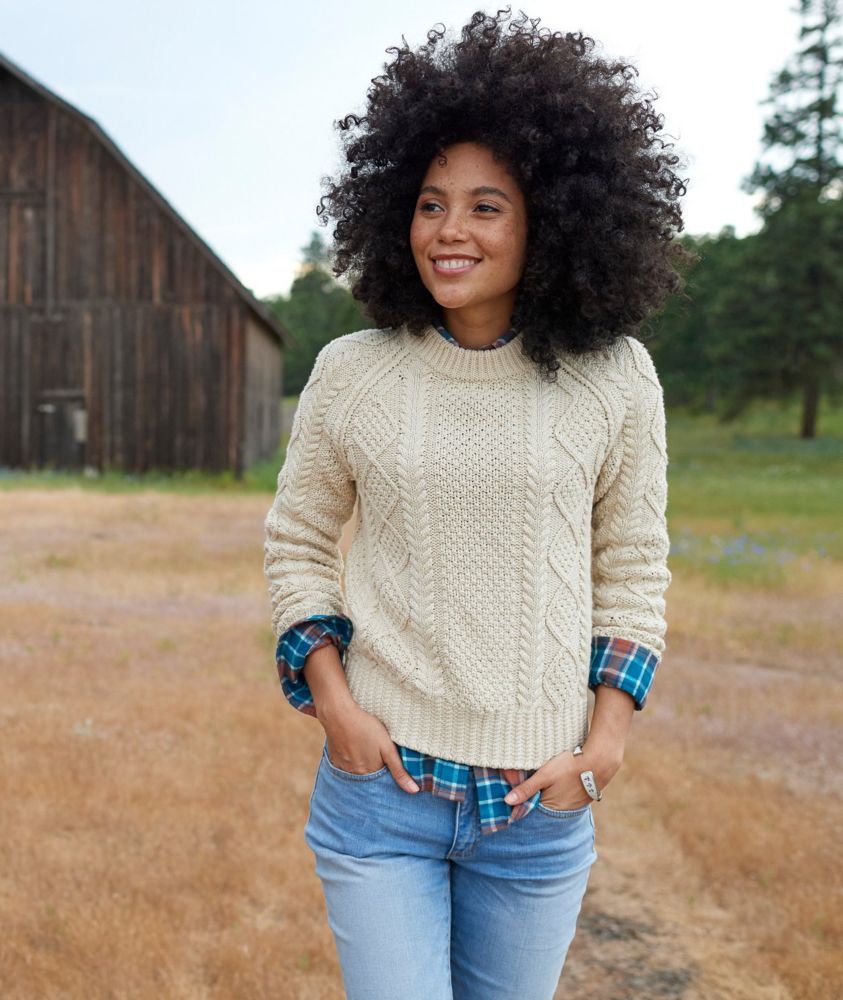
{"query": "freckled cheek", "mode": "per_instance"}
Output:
(510, 254)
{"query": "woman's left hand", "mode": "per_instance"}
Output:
(559, 778)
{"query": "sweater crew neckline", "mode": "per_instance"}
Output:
(505, 362)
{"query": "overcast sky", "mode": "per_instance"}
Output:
(228, 108)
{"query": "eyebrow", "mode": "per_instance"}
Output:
(483, 189)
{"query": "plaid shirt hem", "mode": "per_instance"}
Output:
(616, 662)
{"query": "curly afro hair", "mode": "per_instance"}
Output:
(576, 136)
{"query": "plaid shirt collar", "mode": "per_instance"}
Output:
(503, 339)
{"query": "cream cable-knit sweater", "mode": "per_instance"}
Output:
(504, 521)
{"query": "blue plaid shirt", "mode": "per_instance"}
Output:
(616, 662)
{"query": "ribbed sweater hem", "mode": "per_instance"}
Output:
(510, 739)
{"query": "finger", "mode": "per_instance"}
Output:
(403, 778)
(522, 792)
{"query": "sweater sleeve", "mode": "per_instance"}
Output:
(630, 542)
(314, 499)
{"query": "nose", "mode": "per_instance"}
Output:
(453, 227)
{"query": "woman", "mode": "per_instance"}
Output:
(507, 214)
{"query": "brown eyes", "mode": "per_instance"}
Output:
(484, 208)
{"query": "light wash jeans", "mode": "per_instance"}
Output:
(425, 907)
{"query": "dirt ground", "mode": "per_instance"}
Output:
(154, 783)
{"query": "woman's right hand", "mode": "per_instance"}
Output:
(360, 743)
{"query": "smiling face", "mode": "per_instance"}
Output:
(469, 238)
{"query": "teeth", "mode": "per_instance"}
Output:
(455, 263)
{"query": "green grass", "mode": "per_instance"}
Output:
(749, 501)
(260, 478)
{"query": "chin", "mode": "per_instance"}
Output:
(450, 301)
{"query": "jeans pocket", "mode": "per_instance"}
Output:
(563, 813)
(350, 775)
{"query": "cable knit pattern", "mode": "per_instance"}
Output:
(504, 522)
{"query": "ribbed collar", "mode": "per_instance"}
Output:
(503, 339)
(503, 363)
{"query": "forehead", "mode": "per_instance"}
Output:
(468, 163)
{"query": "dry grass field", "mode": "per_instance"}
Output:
(154, 783)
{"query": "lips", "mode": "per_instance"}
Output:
(454, 265)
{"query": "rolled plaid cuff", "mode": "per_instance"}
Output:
(623, 664)
(294, 646)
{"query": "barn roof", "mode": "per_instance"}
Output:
(260, 310)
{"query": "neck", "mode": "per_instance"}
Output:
(479, 327)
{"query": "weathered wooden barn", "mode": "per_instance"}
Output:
(125, 342)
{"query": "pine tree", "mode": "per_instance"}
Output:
(798, 253)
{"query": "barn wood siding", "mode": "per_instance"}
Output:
(13, 401)
(168, 387)
(262, 421)
(23, 186)
(107, 296)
